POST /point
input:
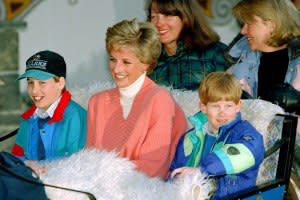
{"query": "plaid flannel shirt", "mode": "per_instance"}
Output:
(185, 70)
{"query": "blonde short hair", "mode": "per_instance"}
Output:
(218, 86)
(141, 38)
(282, 13)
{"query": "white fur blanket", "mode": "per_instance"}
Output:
(110, 177)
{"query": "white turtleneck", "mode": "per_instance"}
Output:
(128, 94)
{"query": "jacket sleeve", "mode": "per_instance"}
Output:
(159, 74)
(179, 159)
(18, 151)
(91, 114)
(166, 125)
(76, 129)
(18, 147)
(244, 152)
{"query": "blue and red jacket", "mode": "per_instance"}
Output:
(64, 133)
(232, 157)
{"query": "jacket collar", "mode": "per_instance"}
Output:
(59, 111)
(294, 48)
(181, 50)
(226, 127)
(240, 42)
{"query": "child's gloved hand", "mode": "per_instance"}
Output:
(36, 167)
(182, 171)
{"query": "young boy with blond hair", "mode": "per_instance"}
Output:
(221, 144)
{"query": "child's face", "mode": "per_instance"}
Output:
(44, 92)
(220, 112)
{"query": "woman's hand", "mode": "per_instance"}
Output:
(246, 87)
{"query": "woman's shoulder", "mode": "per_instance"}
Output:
(238, 44)
(104, 94)
(156, 89)
(73, 105)
(157, 92)
(244, 127)
(294, 46)
(74, 110)
(216, 48)
(217, 45)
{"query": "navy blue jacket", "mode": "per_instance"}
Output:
(233, 159)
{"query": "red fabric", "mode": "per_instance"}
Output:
(29, 112)
(17, 150)
(59, 111)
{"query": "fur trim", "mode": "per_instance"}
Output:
(108, 176)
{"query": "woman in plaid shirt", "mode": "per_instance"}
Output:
(191, 49)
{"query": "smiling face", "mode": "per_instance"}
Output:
(44, 92)
(125, 67)
(258, 31)
(220, 112)
(169, 27)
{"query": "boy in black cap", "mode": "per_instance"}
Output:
(55, 126)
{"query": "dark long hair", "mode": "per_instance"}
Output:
(196, 33)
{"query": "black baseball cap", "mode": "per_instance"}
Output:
(44, 65)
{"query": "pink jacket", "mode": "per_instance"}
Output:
(150, 133)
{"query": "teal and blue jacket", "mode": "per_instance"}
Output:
(63, 134)
(232, 157)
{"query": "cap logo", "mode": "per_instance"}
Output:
(36, 63)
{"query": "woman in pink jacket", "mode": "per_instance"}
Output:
(138, 119)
